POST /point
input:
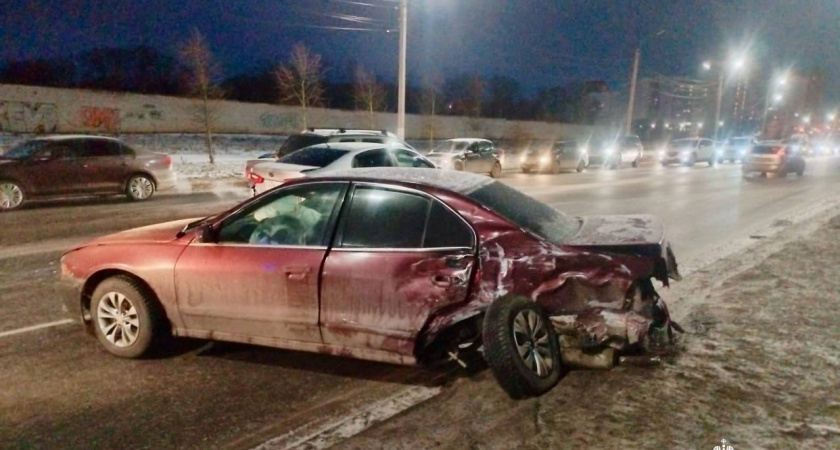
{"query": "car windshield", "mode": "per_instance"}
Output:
(299, 141)
(450, 147)
(526, 212)
(24, 150)
(683, 143)
(313, 156)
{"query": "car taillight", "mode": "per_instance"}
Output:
(255, 178)
(167, 160)
(780, 151)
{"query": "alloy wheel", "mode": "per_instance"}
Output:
(117, 319)
(141, 188)
(531, 338)
(11, 196)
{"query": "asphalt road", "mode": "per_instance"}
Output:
(62, 390)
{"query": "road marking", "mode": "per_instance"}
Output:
(36, 327)
(321, 436)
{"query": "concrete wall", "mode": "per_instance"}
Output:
(32, 109)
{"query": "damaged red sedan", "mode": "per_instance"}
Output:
(404, 266)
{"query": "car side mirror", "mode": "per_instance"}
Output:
(208, 234)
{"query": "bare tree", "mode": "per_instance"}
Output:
(300, 82)
(368, 93)
(202, 71)
(431, 101)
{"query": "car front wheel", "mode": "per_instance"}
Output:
(521, 347)
(11, 195)
(127, 318)
(139, 188)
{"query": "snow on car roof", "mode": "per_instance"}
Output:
(467, 140)
(59, 137)
(461, 182)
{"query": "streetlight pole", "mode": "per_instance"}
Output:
(401, 81)
(628, 126)
(719, 103)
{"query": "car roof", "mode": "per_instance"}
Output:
(61, 137)
(356, 147)
(468, 140)
(329, 132)
(451, 180)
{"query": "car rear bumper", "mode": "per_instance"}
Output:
(165, 179)
(762, 167)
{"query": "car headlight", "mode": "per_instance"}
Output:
(523, 158)
(609, 151)
(661, 153)
(545, 160)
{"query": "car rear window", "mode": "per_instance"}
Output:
(313, 156)
(299, 141)
(526, 212)
(765, 149)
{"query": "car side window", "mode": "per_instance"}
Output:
(381, 218)
(57, 150)
(373, 140)
(295, 216)
(347, 140)
(406, 158)
(373, 158)
(445, 229)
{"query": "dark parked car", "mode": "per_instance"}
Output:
(388, 264)
(80, 165)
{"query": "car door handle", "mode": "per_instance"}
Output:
(297, 273)
(442, 280)
(456, 260)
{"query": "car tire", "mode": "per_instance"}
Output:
(496, 171)
(800, 172)
(520, 347)
(691, 161)
(127, 318)
(635, 162)
(712, 162)
(12, 196)
(458, 166)
(526, 170)
(139, 188)
(580, 166)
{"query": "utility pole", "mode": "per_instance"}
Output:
(401, 81)
(719, 102)
(628, 126)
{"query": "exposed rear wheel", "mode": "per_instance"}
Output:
(521, 347)
(139, 188)
(11, 195)
(127, 319)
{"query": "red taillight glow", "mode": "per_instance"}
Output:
(780, 151)
(167, 160)
(255, 178)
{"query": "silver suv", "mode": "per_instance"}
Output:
(468, 155)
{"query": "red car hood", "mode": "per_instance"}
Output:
(158, 233)
(618, 231)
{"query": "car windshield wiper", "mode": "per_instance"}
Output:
(191, 225)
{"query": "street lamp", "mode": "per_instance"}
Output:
(736, 65)
(401, 81)
(780, 83)
(628, 126)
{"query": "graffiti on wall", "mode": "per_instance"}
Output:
(26, 117)
(105, 119)
(146, 113)
(279, 121)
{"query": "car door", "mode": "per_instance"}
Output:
(707, 149)
(485, 149)
(105, 164)
(257, 272)
(55, 170)
(399, 255)
(472, 159)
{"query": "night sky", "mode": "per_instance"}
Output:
(541, 43)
